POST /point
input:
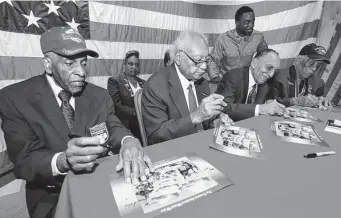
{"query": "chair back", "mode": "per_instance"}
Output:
(137, 102)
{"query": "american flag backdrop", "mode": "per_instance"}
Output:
(114, 27)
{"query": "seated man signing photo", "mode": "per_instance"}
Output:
(245, 89)
(176, 101)
(299, 84)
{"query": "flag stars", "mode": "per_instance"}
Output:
(32, 19)
(8, 2)
(73, 24)
(52, 8)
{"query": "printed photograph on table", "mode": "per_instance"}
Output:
(300, 115)
(174, 183)
(237, 140)
(297, 133)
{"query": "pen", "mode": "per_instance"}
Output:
(204, 94)
(319, 154)
(72, 136)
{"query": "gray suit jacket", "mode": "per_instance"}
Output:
(234, 86)
(164, 108)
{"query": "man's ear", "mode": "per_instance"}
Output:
(177, 58)
(47, 65)
(254, 62)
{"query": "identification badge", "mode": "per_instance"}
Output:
(99, 130)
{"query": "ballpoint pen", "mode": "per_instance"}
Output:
(319, 154)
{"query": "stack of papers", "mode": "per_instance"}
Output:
(333, 126)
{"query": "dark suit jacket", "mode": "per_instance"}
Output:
(121, 94)
(35, 130)
(164, 108)
(234, 86)
(284, 85)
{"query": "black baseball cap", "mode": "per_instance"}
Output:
(64, 41)
(315, 52)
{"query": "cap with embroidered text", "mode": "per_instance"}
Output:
(64, 41)
(315, 52)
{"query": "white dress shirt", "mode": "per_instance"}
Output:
(184, 84)
(133, 88)
(252, 82)
(56, 89)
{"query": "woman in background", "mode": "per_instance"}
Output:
(122, 89)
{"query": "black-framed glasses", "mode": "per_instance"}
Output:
(199, 62)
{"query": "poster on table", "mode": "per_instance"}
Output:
(237, 141)
(174, 183)
(295, 132)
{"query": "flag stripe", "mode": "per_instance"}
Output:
(16, 68)
(112, 14)
(226, 11)
(23, 45)
(335, 91)
(333, 81)
(333, 59)
(125, 33)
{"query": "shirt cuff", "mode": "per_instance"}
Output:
(125, 137)
(55, 171)
(257, 110)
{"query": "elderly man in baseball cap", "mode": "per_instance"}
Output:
(48, 122)
(299, 84)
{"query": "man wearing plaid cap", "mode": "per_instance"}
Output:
(299, 84)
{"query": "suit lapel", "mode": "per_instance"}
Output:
(176, 91)
(82, 107)
(245, 84)
(49, 106)
(262, 92)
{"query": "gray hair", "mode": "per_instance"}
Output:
(185, 41)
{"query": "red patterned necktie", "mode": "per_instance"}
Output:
(67, 110)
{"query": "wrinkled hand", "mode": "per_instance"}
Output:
(324, 103)
(272, 108)
(81, 154)
(307, 101)
(223, 118)
(133, 161)
(209, 107)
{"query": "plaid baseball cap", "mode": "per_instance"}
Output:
(315, 52)
(64, 41)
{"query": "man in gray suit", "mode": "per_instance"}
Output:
(176, 101)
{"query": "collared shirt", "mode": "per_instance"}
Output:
(252, 82)
(232, 51)
(184, 84)
(133, 88)
(56, 89)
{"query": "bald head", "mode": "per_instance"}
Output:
(189, 52)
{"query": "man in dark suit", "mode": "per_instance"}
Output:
(299, 84)
(174, 102)
(40, 115)
(246, 89)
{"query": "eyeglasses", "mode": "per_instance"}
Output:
(199, 62)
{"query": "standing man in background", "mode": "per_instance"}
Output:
(235, 48)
